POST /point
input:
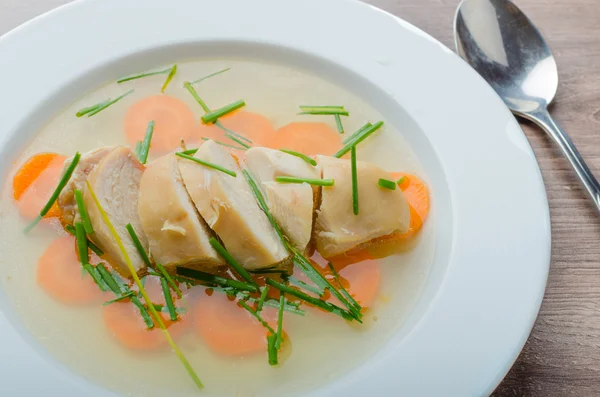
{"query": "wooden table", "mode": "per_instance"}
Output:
(562, 356)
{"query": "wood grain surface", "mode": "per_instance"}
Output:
(562, 356)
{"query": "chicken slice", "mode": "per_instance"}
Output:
(116, 182)
(66, 199)
(292, 205)
(175, 232)
(228, 206)
(381, 211)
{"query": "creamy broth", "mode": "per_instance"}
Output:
(323, 346)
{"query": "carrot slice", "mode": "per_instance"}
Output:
(39, 189)
(173, 121)
(417, 196)
(30, 171)
(308, 138)
(253, 126)
(229, 329)
(59, 273)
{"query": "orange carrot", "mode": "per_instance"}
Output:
(35, 182)
(308, 138)
(227, 328)
(417, 195)
(253, 126)
(59, 273)
(173, 121)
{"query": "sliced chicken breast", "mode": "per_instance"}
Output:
(66, 199)
(176, 233)
(116, 182)
(382, 212)
(228, 206)
(292, 205)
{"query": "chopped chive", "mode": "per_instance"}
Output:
(82, 246)
(190, 152)
(288, 307)
(280, 320)
(192, 91)
(145, 146)
(256, 315)
(305, 107)
(300, 155)
(358, 138)
(61, 185)
(237, 140)
(263, 205)
(207, 164)
(138, 148)
(360, 131)
(338, 123)
(71, 230)
(143, 311)
(401, 180)
(95, 276)
(135, 300)
(308, 287)
(141, 75)
(330, 307)
(169, 78)
(95, 109)
(164, 309)
(85, 218)
(386, 184)
(109, 279)
(261, 301)
(221, 126)
(316, 182)
(209, 76)
(119, 298)
(220, 143)
(169, 279)
(272, 349)
(336, 276)
(138, 244)
(212, 279)
(325, 111)
(168, 299)
(213, 116)
(231, 260)
(354, 167)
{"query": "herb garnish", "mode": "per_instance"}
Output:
(387, 184)
(144, 149)
(85, 218)
(354, 167)
(357, 138)
(223, 253)
(300, 155)
(222, 144)
(315, 182)
(207, 164)
(71, 230)
(138, 244)
(169, 78)
(338, 123)
(215, 280)
(210, 75)
(97, 108)
(141, 75)
(169, 279)
(401, 180)
(213, 116)
(168, 299)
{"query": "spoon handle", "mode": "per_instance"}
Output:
(546, 122)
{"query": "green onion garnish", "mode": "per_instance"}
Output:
(337, 278)
(61, 185)
(109, 279)
(272, 349)
(82, 246)
(95, 276)
(143, 311)
(136, 279)
(212, 279)
(330, 307)
(85, 218)
(188, 86)
(126, 295)
(207, 164)
(354, 167)
(97, 108)
(386, 184)
(138, 148)
(338, 122)
(169, 279)
(280, 320)
(218, 143)
(316, 182)
(213, 116)
(71, 230)
(145, 146)
(168, 299)
(256, 315)
(288, 307)
(300, 155)
(169, 78)
(190, 152)
(138, 244)
(358, 138)
(209, 76)
(308, 287)
(308, 107)
(237, 140)
(263, 297)
(325, 111)
(231, 260)
(360, 131)
(221, 126)
(401, 180)
(140, 75)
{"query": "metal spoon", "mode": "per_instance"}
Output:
(505, 48)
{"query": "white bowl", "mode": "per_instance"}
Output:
(489, 205)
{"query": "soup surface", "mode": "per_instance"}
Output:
(319, 347)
